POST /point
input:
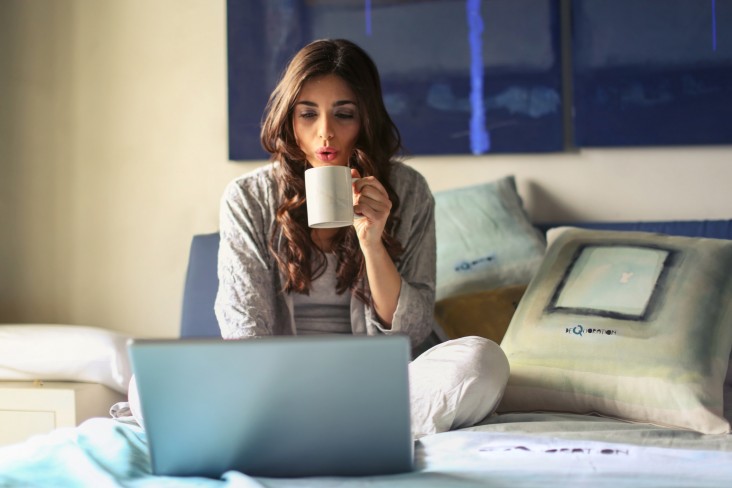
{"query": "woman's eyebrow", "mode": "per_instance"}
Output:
(338, 103)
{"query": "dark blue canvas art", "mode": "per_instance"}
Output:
(652, 72)
(459, 76)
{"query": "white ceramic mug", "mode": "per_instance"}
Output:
(329, 196)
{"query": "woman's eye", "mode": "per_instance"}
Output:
(308, 115)
(344, 115)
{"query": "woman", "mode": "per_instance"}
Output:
(277, 276)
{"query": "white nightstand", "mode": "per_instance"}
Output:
(29, 408)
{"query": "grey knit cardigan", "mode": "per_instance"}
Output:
(250, 301)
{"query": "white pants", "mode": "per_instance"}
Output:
(456, 384)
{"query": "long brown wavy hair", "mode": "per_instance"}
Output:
(299, 259)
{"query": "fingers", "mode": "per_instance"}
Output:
(370, 187)
(372, 201)
(373, 198)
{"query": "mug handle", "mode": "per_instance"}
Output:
(355, 215)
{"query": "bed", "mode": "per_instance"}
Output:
(554, 427)
(521, 450)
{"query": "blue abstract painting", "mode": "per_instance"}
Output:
(652, 72)
(459, 76)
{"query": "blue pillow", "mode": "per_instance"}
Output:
(485, 239)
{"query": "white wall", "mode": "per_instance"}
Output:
(113, 153)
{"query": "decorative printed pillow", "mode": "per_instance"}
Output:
(484, 239)
(630, 325)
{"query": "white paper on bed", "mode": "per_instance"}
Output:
(523, 459)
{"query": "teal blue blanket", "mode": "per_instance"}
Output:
(527, 450)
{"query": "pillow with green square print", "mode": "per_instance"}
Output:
(630, 325)
(485, 239)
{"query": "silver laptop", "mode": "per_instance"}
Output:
(276, 407)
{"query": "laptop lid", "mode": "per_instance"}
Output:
(276, 407)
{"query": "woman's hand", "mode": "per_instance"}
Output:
(372, 204)
(372, 207)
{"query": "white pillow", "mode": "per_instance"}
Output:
(456, 384)
(64, 353)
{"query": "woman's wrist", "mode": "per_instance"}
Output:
(373, 250)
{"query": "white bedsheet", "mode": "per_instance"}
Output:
(105, 452)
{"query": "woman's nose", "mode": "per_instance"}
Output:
(325, 131)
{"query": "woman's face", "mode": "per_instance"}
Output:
(326, 121)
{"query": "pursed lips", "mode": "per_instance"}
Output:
(326, 153)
